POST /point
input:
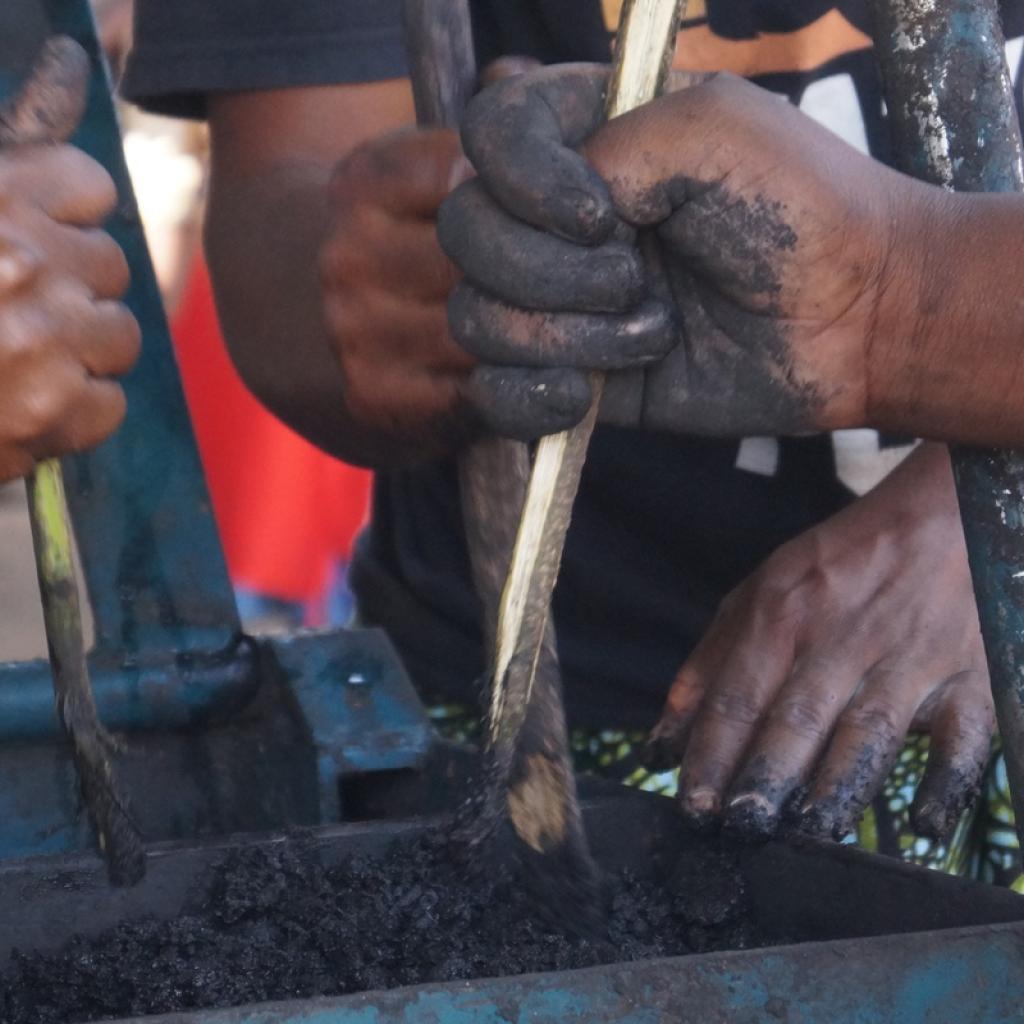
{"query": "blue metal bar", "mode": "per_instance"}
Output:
(174, 694)
(151, 555)
(954, 123)
(966, 977)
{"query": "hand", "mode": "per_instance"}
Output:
(114, 25)
(804, 687)
(386, 282)
(62, 334)
(766, 243)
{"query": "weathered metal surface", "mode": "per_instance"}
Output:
(149, 547)
(836, 901)
(179, 693)
(221, 734)
(293, 718)
(362, 712)
(970, 977)
(954, 123)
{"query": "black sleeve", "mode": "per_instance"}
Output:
(185, 49)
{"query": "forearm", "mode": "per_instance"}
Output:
(262, 239)
(947, 358)
(273, 155)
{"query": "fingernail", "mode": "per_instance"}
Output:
(751, 817)
(823, 822)
(701, 807)
(814, 821)
(931, 820)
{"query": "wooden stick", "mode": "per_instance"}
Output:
(644, 49)
(91, 745)
(530, 780)
(47, 110)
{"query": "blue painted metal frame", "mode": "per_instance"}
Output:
(170, 664)
(149, 546)
(954, 123)
(941, 978)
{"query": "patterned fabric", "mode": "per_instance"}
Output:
(984, 845)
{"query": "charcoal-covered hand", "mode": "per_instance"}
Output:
(64, 337)
(744, 306)
(813, 671)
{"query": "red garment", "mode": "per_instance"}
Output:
(287, 513)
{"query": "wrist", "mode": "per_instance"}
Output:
(906, 301)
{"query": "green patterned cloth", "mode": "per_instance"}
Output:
(984, 845)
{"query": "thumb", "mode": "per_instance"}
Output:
(52, 100)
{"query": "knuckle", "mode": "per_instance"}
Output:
(358, 169)
(733, 705)
(801, 715)
(338, 261)
(44, 409)
(876, 718)
(27, 331)
(366, 403)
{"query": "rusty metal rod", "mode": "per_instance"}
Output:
(953, 122)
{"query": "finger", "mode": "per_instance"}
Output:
(62, 181)
(376, 328)
(520, 134)
(532, 268)
(865, 745)
(101, 337)
(528, 404)
(496, 332)
(734, 705)
(795, 731)
(52, 100)
(94, 411)
(60, 408)
(104, 335)
(87, 256)
(397, 255)
(961, 738)
(667, 743)
(407, 174)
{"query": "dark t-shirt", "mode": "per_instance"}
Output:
(664, 527)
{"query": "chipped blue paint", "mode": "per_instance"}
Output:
(971, 976)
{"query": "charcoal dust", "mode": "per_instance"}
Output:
(276, 924)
